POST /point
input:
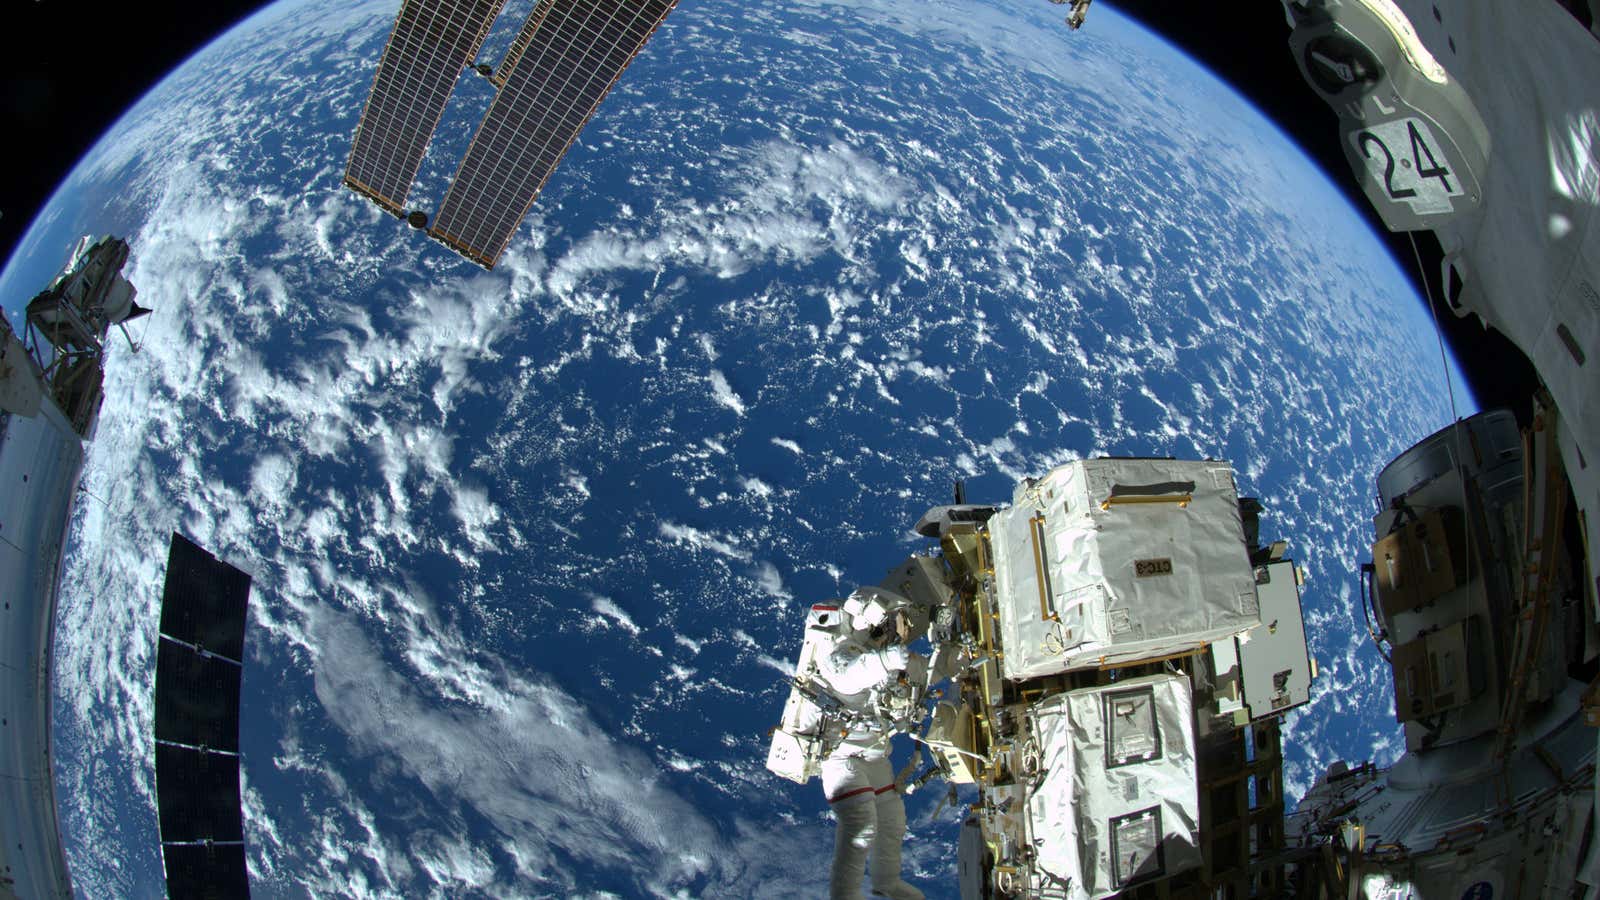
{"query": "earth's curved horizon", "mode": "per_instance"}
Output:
(531, 547)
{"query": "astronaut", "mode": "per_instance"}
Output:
(872, 672)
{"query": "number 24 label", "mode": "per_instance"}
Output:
(1404, 158)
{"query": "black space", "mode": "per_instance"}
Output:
(70, 73)
(73, 71)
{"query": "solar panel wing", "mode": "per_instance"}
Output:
(197, 698)
(197, 795)
(567, 57)
(432, 41)
(206, 871)
(204, 600)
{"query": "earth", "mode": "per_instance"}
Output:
(531, 547)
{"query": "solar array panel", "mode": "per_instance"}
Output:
(562, 64)
(203, 601)
(198, 673)
(197, 697)
(205, 871)
(432, 41)
(198, 795)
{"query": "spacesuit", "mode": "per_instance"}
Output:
(867, 669)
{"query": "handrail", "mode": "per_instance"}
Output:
(1040, 569)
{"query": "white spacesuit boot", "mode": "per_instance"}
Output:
(886, 842)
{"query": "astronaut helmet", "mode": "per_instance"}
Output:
(877, 611)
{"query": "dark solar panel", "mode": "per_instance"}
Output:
(197, 698)
(432, 41)
(197, 795)
(200, 872)
(204, 600)
(560, 67)
(203, 606)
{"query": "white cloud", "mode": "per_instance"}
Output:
(786, 203)
(783, 667)
(273, 480)
(724, 393)
(770, 581)
(608, 608)
(703, 540)
(477, 514)
(453, 863)
(532, 762)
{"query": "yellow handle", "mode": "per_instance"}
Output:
(1182, 500)
(1041, 577)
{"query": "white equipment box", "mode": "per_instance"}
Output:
(1117, 802)
(1111, 561)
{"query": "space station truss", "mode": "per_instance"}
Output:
(567, 57)
(204, 604)
(432, 41)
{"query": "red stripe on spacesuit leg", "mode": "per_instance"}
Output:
(883, 789)
(848, 794)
